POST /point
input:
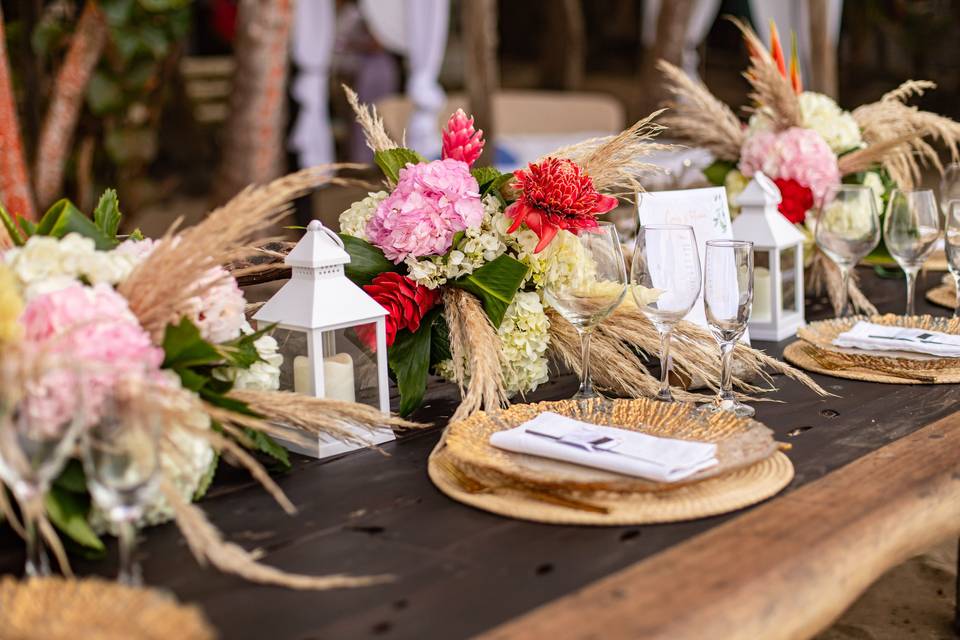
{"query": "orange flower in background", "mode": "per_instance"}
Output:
(555, 194)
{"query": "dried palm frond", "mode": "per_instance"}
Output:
(208, 546)
(772, 93)
(474, 347)
(615, 163)
(179, 269)
(825, 276)
(371, 123)
(698, 117)
(896, 135)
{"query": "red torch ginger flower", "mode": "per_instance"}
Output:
(406, 301)
(555, 194)
(460, 140)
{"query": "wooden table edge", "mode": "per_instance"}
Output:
(785, 569)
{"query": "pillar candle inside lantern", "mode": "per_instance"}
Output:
(761, 295)
(337, 377)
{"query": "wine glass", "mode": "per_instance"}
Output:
(951, 234)
(848, 229)
(592, 294)
(727, 301)
(911, 230)
(42, 410)
(666, 261)
(121, 462)
(949, 185)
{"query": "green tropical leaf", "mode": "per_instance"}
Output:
(366, 260)
(68, 511)
(495, 283)
(63, 218)
(717, 172)
(266, 444)
(184, 347)
(409, 359)
(72, 478)
(490, 179)
(107, 214)
(10, 224)
(207, 479)
(391, 161)
(440, 341)
(241, 352)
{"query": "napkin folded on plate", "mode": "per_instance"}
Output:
(877, 337)
(631, 453)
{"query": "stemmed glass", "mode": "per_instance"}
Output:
(848, 229)
(727, 301)
(666, 260)
(951, 234)
(949, 186)
(593, 293)
(42, 410)
(121, 462)
(911, 230)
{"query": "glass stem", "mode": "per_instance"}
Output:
(956, 284)
(36, 564)
(845, 291)
(129, 573)
(664, 393)
(911, 290)
(586, 383)
(726, 371)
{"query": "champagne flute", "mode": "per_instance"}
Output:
(911, 230)
(42, 410)
(727, 301)
(121, 462)
(666, 264)
(592, 294)
(951, 234)
(848, 229)
(949, 185)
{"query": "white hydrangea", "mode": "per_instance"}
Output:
(46, 264)
(525, 336)
(477, 247)
(564, 262)
(873, 180)
(263, 374)
(354, 220)
(837, 127)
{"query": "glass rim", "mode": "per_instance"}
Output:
(667, 227)
(729, 243)
(911, 191)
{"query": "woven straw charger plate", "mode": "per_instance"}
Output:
(814, 351)
(470, 470)
(944, 295)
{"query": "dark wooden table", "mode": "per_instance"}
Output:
(877, 479)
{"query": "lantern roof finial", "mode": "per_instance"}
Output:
(319, 247)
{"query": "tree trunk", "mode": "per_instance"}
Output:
(14, 181)
(671, 34)
(56, 135)
(479, 21)
(563, 46)
(254, 133)
(823, 55)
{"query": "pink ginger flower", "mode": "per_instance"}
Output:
(795, 154)
(430, 204)
(460, 140)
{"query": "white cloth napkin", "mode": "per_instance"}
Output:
(878, 337)
(551, 435)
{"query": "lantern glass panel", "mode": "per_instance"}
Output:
(350, 364)
(788, 274)
(292, 345)
(762, 286)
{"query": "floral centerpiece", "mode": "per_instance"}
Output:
(167, 310)
(806, 143)
(460, 254)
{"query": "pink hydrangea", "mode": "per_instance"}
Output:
(431, 203)
(94, 327)
(795, 154)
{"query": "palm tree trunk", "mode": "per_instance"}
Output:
(14, 181)
(254, 133)
(56, 135)
(479, 20)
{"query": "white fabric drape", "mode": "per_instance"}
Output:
(312, 51)
(426, 34)
(701, 19)
(794, 15)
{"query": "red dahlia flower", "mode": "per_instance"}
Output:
(795, 201)
(555, 194)
(460, 140)
(406, 301)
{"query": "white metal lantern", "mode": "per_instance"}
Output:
(778, 261)
(330, 332)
